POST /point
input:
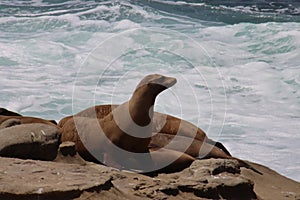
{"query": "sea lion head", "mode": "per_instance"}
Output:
(156, 83)
(143, 98)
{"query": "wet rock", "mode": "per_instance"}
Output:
(30, 141)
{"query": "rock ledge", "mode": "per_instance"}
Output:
(204, 179)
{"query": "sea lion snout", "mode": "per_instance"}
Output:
(157, 79)
(163, 80)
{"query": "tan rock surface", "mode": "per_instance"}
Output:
(70, 177)
(272, 185)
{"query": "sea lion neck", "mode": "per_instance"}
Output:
(141, 106)
(143, 99)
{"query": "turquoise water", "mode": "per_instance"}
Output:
(237, 65)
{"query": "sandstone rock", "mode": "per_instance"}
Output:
(31, 179)
(66, 181)
(213, 179)
(204, 179)
(68, 154)
(272, 185)
(30, 141)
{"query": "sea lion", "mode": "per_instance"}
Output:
(7, 121)
(163, 123)
(126, 131)
(63, 121)
(6, 112)
(199, 146)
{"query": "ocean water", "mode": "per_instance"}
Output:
(237, 65)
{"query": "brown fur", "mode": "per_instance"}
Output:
(26, 120)
(63, 121)
(70, 133)
(194, 148)
(167, 124)
(173, 161)
(171, 125)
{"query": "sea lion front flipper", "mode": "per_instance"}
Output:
(169, 161)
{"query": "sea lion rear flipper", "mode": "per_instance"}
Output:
(219, 145)
(169, 161)
(248, 166)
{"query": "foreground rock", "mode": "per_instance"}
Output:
(272, 185)
(204, 179)
(30, 141)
